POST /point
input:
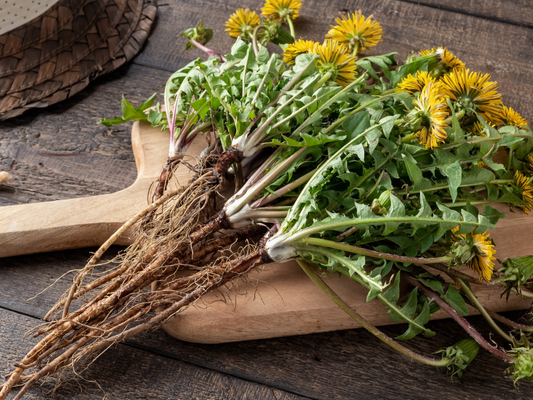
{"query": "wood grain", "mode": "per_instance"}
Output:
(60, 152)
(90, 221)
(516, 12)
(349, 365)
(280, 300)
(127, 373)
(52, 271)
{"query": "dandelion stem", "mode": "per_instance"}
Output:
(508, 322)
(321, 82)
(208, 50)
(475, 303)
(440, 187)
(409, 137)
(432, 296)
(257, 136)
(249, 193)
(258, 215)
(291, 27)
(355, 48)
(254, 39)
(472, 202)
(284, 190)
(510, 159)
(306, 232)
(324, 106)
(526, 293)
(365, 323)
(297, 111)
(356, 110)
(267, 74)
(455, 273)
(285, 89)
(458, 115)
(372, 253)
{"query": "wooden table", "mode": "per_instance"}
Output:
(60, 153)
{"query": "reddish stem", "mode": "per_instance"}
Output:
(208, 50)
(432, 296)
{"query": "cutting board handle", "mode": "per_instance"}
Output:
(87, 221)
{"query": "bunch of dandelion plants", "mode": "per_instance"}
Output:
(381, 172)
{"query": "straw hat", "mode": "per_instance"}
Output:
(64, 46)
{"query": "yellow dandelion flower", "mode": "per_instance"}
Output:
(242, 23)
(472, 91)
(455, 237)
(431, 113)
(281, 10)
(525, 188)
(356, 32)
(483, 251)
(511, 117)
(413, 84)
(477, 129)
(293, 50)
(447, 59)
(483, 260)
(334, 59)
(529, 163)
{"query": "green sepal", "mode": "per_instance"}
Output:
(522, 368)
(459, 356)
(199, 33)
(515, 272)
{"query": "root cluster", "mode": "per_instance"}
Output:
(172, 253)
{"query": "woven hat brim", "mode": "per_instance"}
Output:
(101, 45)
(57, 18)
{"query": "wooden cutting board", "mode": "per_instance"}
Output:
(276, 300)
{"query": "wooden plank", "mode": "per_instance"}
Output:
(297, 364)
(348, 364)
(501, 49)
(126, 373)
(516, 12)
(24, 279)
(60, 153)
